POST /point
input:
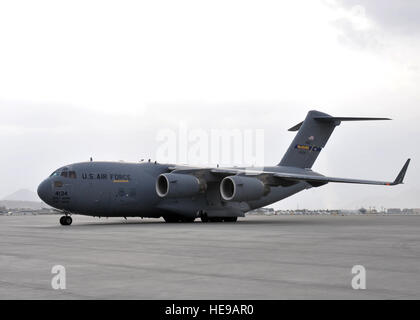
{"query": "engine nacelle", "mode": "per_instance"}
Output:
(240, 188)
(172, 185)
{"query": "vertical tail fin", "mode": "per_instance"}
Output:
(309, 141)
(313, 134)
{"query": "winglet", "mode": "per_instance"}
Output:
(399, 179)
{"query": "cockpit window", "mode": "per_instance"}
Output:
(65, 173)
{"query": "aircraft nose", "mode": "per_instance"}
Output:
(44, 191)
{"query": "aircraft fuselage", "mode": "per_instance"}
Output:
(118, 189)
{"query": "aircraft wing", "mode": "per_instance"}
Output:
(282, 177)
(324, 179)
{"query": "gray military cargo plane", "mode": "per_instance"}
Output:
(182, 194)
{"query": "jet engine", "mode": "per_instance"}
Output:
(240, 188)
(172, 185)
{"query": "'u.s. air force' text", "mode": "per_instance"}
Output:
(105, 176)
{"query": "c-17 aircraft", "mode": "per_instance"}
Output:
(182, 193)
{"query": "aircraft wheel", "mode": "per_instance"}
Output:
(230, 219)
(66, 220)
(204, 217)
(69, 220)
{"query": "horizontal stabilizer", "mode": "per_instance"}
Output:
(348, 119)
(296, 127)
(336, 119)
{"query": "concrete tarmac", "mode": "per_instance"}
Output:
(259, 257)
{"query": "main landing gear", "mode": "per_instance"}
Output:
(178, 219)
(219, 219)
(205, 218)
(66, 220)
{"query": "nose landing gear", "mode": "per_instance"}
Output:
(66, 220)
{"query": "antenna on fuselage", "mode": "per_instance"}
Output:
(91, 159)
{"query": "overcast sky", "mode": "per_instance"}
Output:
(103, 78)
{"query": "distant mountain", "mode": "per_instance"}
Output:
(23, 195)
